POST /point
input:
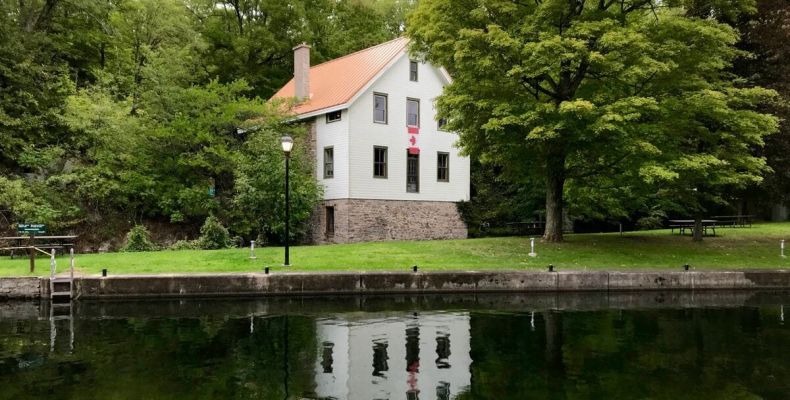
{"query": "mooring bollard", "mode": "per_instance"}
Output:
(252, 250)
(685, 267)
(551, 267)
(782, 248)
(414, 268)
(266, 270)
(532, 247)
(104, 272)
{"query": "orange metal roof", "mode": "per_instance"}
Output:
(336, 81)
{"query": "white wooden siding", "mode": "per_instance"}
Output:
(364, 134)
(334, 134)
(355, 135)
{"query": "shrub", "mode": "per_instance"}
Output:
(138, 239)
(213, 235)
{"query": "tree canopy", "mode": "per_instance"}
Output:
(118, 112)
(603, 98)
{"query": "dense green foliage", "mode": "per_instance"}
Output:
(114, 113)
(604, 106)
(139, 239)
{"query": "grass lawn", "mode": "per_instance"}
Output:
(757, 247)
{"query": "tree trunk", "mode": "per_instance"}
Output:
(555, 183)
(697, 228)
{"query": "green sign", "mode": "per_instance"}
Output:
(31, 229)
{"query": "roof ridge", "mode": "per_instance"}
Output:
(360, 51)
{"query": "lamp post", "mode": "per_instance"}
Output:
(287, 144)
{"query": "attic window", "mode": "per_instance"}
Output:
(333, 116)
(413, 73)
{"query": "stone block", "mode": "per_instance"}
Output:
(379, 282)
(773, 279)
(22, 287)
(449, 282)
(517, 281)
(647, 280)
(582, 280)
(331, 283)
(712, 279)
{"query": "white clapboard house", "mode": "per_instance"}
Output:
(388, 169)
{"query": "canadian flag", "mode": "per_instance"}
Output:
(413, 132)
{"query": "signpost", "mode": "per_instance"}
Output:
(31, 229)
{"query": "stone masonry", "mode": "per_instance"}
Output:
(22, 288)
(361, 220)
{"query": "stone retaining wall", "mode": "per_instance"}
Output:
(431, 282)
(258, 284)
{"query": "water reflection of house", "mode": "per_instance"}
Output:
(425, 356)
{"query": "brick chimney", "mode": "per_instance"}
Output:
(302, 71)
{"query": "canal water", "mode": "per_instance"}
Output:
(705, 345)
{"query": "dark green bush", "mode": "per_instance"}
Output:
(213, 235)
(139, 239)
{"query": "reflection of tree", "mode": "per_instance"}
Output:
(668, 354)
(556, 368)
(204, 358)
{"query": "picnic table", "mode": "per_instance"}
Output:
(740, 221)
(682, 224)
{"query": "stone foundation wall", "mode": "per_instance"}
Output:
(359, 220)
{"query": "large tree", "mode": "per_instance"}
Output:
(568, 91)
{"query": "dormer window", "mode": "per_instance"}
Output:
(334, 116)
(413, 72)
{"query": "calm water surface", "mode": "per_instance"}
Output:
(594, 346)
